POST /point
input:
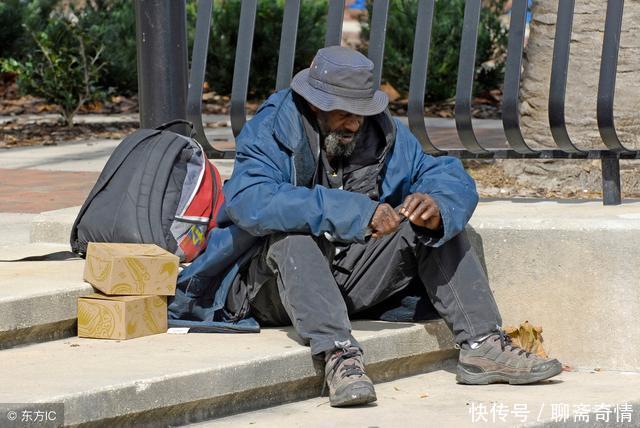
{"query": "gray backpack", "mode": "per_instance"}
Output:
(158, 187)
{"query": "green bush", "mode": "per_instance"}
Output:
(15, 15)
(266, 43)
(113, 25)
(11, 30)
(110, 23)
(113, 22)
(445, 47)
(65, 66)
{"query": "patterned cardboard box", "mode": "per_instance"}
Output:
(131, 269)
(121, 317)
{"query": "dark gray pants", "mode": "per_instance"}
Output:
(298, 279)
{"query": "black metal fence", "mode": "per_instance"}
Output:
(514, 147)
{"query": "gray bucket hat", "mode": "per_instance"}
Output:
(340, 79)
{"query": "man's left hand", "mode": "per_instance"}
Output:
(421, 210)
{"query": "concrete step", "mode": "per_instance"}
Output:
(581, 398)
(176, 379)
(570, 267)
(38, 299)
(15, 227)
(53, 226)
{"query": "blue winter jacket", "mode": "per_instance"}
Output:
(262, 197)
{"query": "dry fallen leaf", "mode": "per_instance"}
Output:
(528, 337)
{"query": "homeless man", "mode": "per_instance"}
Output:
(350, 211)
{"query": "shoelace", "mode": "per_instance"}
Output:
(348, 369)
(338, 362)
(505, 340)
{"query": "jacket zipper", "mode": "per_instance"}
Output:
(293, 169)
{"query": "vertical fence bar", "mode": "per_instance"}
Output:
(196, 79)
(378, 35)
(419, 68)
(608, 69)
(466, 76)
(242, 64)
(513, 67)
(335, 16)
(559, 70)
(161, 40)
(611, 194)
(287, 43)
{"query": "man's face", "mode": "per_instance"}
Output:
(341, 130)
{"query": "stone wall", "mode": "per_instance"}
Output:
(584, 67)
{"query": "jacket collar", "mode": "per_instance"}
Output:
(288, 128)
(287, 124)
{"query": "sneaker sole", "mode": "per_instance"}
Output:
(361, 394)
(466, 377)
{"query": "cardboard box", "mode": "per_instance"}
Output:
(131, 269)
(121, 317)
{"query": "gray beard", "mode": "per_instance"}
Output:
(336, 149)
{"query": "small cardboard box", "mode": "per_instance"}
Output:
(131, 269)
(121, 317)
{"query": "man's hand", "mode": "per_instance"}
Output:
(421, 210)
(385, 220)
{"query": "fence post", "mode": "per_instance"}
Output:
(161, 41)
(611, 194)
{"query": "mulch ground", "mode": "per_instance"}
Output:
(50, 134)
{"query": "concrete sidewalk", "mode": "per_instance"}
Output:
(580, 399)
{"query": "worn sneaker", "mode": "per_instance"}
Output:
(348, 383)
(497, 360)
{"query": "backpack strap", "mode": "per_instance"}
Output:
(160, 160)
(114, 162)
(57, 256)
(169, 124)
